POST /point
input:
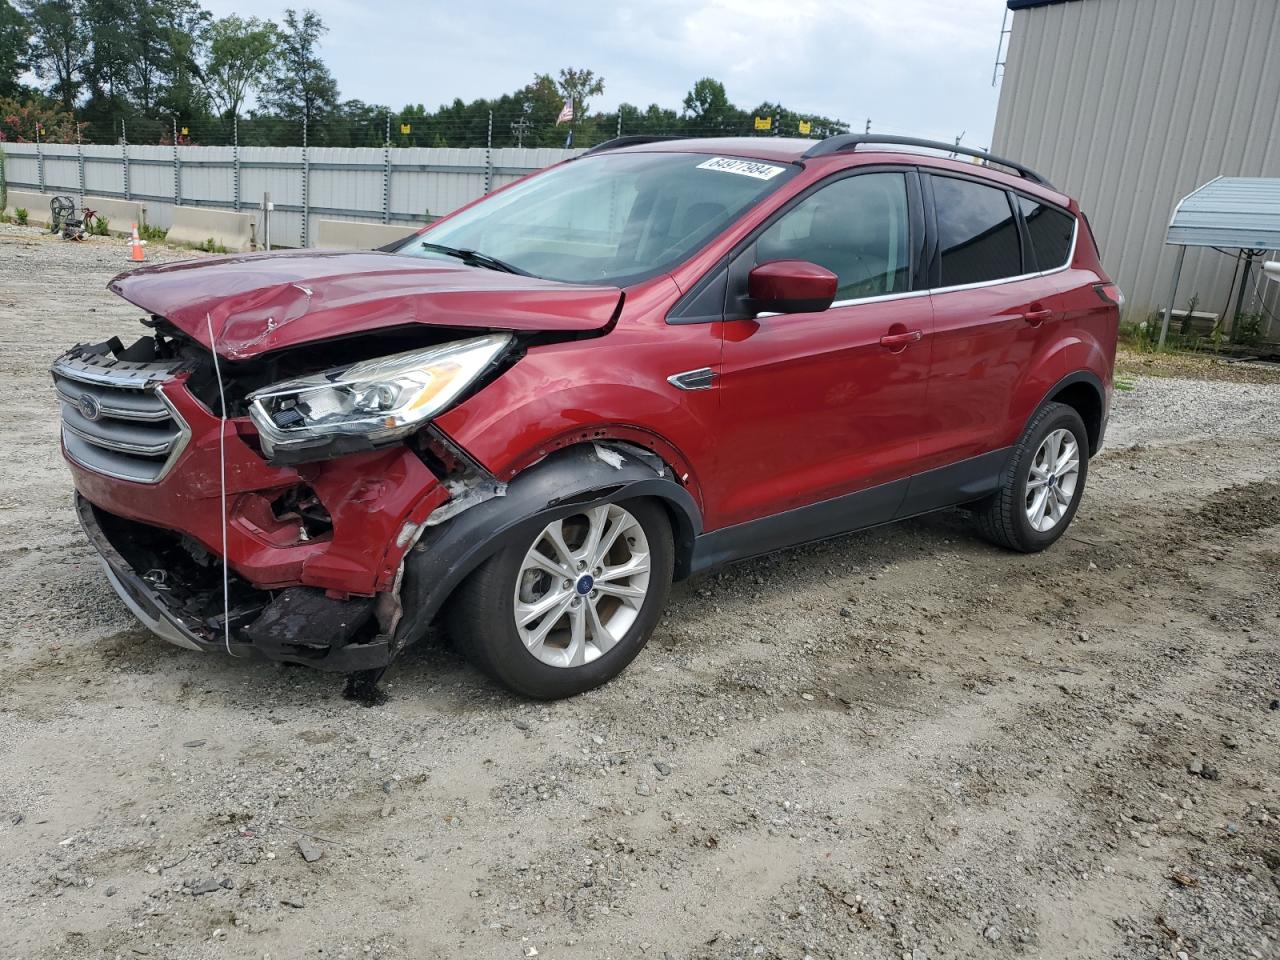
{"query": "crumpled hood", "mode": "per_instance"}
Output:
(261, 302)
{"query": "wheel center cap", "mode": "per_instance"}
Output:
(1053, 480)
(585, 583)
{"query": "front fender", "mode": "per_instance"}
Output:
(559, 486)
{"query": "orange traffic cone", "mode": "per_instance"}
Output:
(135, 247)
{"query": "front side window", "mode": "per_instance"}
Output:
(612, 218)
(1050, 230)
(977, 232)
(858, 228)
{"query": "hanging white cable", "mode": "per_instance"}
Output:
(222, 488)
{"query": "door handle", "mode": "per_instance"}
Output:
(895, 340)
(1037, 317)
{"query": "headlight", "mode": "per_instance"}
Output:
(368, 403)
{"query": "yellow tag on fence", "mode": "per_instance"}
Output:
(404, 128)
(764, 123)
(806, 127)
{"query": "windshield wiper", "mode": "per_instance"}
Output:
(474, 258)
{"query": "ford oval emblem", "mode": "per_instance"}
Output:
(89, 407)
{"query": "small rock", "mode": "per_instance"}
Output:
(195, 743)
(530, 951)
(110, 891)
(664, 769)
(846, 612)
(1082, 637)
(1275, 704)
(208, 885)
(1230, 742)
(806, 696)
(309, 849)
(643, 789)
(1196, 767)
(850, 900)
(520, 724)
(992, 932)
(295, 904)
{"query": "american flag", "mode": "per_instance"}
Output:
(566, 113)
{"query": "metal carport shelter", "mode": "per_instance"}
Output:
(1239, 213)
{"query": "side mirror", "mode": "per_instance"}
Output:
(1271, 269)
(790, 286)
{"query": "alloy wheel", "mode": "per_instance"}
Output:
(1051, 483)
(581, 585)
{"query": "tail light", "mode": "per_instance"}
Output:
(1109, 293)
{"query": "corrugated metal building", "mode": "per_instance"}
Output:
(1130, 105)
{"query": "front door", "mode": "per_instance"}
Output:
(815, 406)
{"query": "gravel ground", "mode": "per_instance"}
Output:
(904, 743)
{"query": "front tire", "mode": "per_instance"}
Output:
(568, 606)
(1042, 484)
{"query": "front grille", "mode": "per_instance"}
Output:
(114, 419)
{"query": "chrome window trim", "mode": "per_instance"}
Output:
(908, 294)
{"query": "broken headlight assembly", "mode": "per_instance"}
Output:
(367, 404)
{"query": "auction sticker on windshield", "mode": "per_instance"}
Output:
(744, 168)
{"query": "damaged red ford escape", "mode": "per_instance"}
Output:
(532, 416)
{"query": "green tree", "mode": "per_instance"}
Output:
(302, 88)
(15, 49)
(707, 106)
(60, 43)
(238, 55)
(577, 86)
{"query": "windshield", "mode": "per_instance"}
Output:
(613, 218)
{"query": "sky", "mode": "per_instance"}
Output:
(916, 67)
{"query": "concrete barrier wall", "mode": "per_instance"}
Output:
(36, 205)
(120, 214)
(358, 235)
(198, 225)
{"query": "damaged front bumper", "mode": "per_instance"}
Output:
(183, 605)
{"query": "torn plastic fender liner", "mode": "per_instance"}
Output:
(561, 485)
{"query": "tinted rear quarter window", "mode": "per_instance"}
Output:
(1050, 231)
(977, 232)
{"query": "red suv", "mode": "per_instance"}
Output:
(533, 415)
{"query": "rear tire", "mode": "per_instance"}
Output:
(566, 607)
(1042, 484)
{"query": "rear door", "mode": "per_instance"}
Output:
(992, 308)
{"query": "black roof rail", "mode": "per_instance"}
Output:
(633, 140)
(851, 141)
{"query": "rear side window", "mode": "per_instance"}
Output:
(977, 232)
(1050, 231)
(857, 227)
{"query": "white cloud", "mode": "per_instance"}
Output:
(912, 66)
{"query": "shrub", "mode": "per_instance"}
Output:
(20, 216)
(151, 234)
(98, 226)
(1247, 329)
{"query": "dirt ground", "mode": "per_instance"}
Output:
(900, 744)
